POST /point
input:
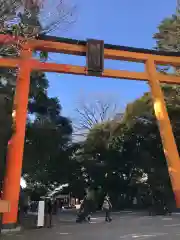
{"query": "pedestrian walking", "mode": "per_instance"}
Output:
(48, 213)
(107, 206)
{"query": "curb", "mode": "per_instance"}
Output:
(13, 230)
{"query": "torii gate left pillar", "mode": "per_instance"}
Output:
(11, 188)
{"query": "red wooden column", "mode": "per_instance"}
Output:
(11, 188)
(169, 144)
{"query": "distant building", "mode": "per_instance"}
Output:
(62, 194)
(118, 116)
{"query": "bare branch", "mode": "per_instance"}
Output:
(93, 113)
(29, 18)
(60, 17)
(32, 17)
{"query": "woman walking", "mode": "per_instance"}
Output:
(107, 206)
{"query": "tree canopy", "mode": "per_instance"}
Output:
(123, 155)
(48, 133)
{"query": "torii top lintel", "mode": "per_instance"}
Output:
(49, 43)
(76, 47)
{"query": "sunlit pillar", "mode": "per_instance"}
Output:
(168, 140)
(11, 188)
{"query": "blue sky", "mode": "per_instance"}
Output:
(122, 22)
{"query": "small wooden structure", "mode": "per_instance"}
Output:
(4, 206)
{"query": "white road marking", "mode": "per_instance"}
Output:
(63, 233)
(142, 236)
(100, 218)
(128, 235)
(172, 225)
(167, 219)
(145, 217)
(132, 213)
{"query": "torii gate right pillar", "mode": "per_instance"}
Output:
(165, 128)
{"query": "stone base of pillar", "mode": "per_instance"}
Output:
(10, 228)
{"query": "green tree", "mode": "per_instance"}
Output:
(127, 152)
(168, 34)
(129, 149)
(168, 38)
(49, 132)
(6, 124)
(47, 143)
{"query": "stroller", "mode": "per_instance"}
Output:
(82, 216)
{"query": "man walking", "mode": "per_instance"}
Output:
(48, 213)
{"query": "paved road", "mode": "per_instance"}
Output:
(125, 226)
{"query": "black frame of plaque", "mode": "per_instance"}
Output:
(95, 57)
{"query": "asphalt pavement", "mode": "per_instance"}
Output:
(126, 225)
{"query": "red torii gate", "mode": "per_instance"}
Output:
(26, 64)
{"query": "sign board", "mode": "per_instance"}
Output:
(95, 57)
(40, 219)
(4, 206)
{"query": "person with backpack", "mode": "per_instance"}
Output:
(107, 206)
